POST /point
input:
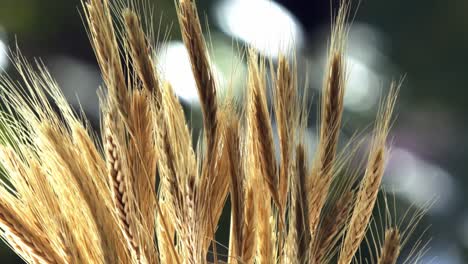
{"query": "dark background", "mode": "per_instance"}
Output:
(424, 40)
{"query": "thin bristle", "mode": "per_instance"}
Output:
(391, 247)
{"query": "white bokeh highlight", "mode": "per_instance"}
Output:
(173, 63)
(3, 55)
(363, 89)
(263, 24)
(420, 182)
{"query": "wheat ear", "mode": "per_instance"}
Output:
(141, 125)
(331, 112)
(369, 188)
(212, 168)
(218, 167)
(28, 241)
(258, 119)
(301, 204)
(141, 157)
(206, 84)
(176, 165)
(120, 192)
(103, 38)
(141, 54)
(285, 110)
(263, 171)
(333, 224)
(23, 236)
(391, 247)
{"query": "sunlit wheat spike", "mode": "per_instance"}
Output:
(258, 119)
(142, 147)
(263, 162)
(319, 181)
(369, 188)
(66, 161)
(217, 166)
(104, 40)
(141, 53)
(143, 155)
(206, 83)
(120, 192)
(212, 180)
(285, 112)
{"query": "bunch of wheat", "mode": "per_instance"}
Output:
(146, 196)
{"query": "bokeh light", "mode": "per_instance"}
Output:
(420, 182)
(363, 86)
(174, 64)
(263, 24)
(3, 50)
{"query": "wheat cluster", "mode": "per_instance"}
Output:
(142, 193)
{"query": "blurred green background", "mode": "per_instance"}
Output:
(424, 40)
